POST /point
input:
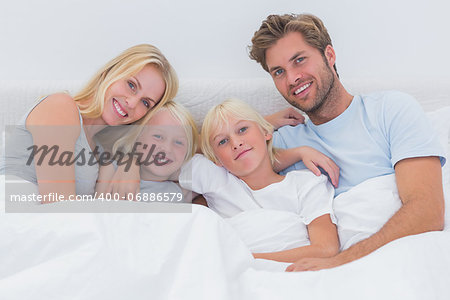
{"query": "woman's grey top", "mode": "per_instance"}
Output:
(18, 160)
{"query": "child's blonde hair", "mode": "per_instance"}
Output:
(180, 113)
(218, 116)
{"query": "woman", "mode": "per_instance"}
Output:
(124, 91)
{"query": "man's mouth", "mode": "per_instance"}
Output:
(242, 153)
(119, 109)
(302, 88)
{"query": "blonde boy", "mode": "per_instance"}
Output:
(238, 176)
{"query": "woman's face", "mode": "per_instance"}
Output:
(128, 100)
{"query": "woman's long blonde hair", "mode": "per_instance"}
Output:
(127, 64)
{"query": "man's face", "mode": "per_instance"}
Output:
(300, 72)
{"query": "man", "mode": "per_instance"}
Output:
(367, 136)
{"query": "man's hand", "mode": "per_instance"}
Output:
(313, 264)
(288, 116)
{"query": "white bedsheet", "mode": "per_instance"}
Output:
(194, 256)
(120, 256)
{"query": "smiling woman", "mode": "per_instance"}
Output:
(125, 91)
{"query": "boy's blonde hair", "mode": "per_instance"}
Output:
(218, 117)
(180, 113)
(127, 64)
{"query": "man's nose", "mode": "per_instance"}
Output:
(293, 76)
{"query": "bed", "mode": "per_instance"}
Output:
(199, 255)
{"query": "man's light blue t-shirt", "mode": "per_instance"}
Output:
(374, 133)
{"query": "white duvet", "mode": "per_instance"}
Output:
(199, 255)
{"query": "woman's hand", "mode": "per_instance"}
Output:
(126, 182)
(287, 116)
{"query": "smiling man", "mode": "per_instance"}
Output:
(366, 135)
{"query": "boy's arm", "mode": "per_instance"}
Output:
(311, 158)
(324, 243)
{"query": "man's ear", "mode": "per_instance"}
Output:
(330, 55)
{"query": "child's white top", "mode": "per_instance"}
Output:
(151, 191)
(300, 192)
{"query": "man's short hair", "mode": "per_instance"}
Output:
(276, 27)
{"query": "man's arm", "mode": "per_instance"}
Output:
(419, 183)
(199, 199)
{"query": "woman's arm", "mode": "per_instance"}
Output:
(104, 180)
(324, 243)
(126, 180)
(55, 123)
(311, 158)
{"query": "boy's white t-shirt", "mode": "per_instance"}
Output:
(300, 192)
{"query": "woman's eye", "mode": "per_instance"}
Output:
(179, 143)
(146, 103)
(131, 85)
(157, 136)
(243, 129)
(223, 141)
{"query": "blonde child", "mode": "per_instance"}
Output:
(238, 175)
(166, 142)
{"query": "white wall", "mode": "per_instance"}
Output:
(51, 39)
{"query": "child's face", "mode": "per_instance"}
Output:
(169, 137)
(240, 146)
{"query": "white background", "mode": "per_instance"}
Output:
(53, 40)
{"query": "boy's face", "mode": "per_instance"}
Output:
(169, 137)
(240, 146)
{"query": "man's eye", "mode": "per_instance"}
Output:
(299, 60)
(223, 141)
(278, 72)
(243, 129)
